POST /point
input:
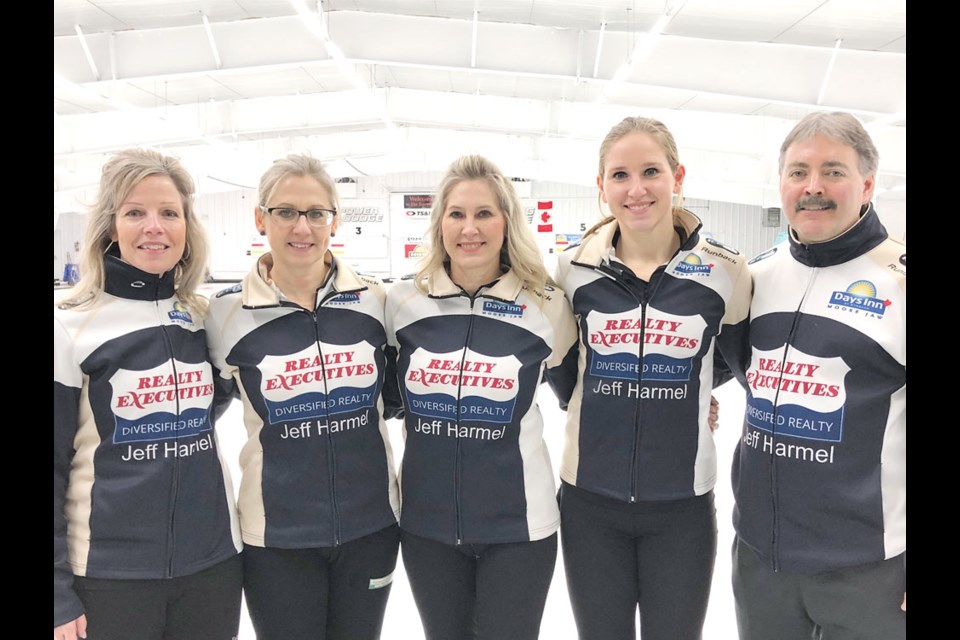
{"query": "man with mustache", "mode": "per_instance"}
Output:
(819, 475)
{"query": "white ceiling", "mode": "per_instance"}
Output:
(377, 87)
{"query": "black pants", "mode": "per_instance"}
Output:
(855, 603)
(657, 556)
(479, 591)
(203, 606)
(327, 593)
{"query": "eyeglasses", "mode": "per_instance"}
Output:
(287, 217)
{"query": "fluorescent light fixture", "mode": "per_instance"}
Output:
(86, 51)
(645, 43)
(826, 76)
(596, 62)
(310, 19)
(473, 45)
(213, 44)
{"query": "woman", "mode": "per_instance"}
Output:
(474, 331)
(302, 340)
(654, 300)
(145, 538)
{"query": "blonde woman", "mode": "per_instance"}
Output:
(145, 538)
(474, 331)
(655, 300)
(302, 341)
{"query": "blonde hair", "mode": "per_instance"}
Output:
(656, 130)
(300, 165)
(121, 173)
(519, 251)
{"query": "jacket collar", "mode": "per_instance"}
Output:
(260, 291)
(124, 280)
(597, 248)
(507, 287)
(864, 235)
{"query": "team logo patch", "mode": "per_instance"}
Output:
(808, 390)
(860, 297)
(494, 308)
(180, 314)
(313, 384)
(161, 403)
(486, 385)
(692, 265)
(669, 343)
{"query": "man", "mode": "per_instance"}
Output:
(819, 475)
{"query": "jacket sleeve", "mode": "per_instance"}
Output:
(733, 342)
(392, 401)
(562, 368)
(67, 382)
(392, 396)
(225, 388)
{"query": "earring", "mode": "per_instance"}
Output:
(263, 232)
(333, 233)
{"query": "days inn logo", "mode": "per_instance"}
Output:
(502, 309)
(346, 298)
(692, 265)
(860, 297)
(180, 313)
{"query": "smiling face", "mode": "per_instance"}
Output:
(473, 228)
(822, 189)
(301, 245)
(150, 227)
(638, 184)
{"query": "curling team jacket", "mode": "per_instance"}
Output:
(639, 390)
(138, 488)
(475, 467)
(317, 466)
(819, 475)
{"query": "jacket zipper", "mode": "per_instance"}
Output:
(331, 445)
(642, 301)
(331, 449)
(457, 470)
(774, 486)
(175, 481)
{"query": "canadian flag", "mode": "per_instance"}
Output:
(543, 208)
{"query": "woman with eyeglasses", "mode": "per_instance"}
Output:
(302, 339)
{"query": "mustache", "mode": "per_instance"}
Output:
(817, 202)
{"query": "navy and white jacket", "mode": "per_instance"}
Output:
(639, 392)
(820, 473)
(475, 466)
(138, 487)
(317, 467)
